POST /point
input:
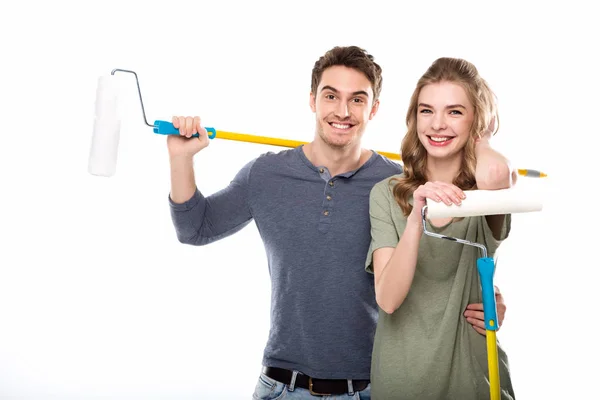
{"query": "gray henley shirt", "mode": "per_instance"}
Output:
(316, 233)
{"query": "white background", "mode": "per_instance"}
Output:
(98, 299)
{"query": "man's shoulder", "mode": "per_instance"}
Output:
(280, 155)
(274, 159)
(386, 166)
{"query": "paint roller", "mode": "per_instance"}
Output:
(102, 159)
(481, 203)
(105, 138)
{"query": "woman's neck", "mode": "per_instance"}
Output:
(443, 170)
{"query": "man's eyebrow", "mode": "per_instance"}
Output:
(334, 90)
(327, 87)
(360, 92)
(448, 106)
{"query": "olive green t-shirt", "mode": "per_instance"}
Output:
(427, 349)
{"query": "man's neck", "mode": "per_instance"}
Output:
(336, 160)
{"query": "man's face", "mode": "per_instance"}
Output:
(343, 105)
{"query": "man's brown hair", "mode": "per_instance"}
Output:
(352, 57)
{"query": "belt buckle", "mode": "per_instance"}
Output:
(311, 391)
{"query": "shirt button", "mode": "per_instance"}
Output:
(330, 183)
(325, 213)
(321, 170)
(328, 197)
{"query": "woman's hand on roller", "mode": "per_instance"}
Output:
(184, 144)
(436, 191)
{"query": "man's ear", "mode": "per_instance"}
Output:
(374, 109)
(313, 102)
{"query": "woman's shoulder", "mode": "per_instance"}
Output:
(383, 191)
(387, 184)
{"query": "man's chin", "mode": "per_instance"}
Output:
(340, 143)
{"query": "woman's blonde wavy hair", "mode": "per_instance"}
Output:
(414, 155)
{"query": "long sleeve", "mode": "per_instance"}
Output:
(202, 220)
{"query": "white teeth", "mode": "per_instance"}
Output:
(340, 126)
(439, 139)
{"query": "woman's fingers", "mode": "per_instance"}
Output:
(440, 191)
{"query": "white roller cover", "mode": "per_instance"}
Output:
(105, 147)
(488, 202)
(107, 125)
(107, 97)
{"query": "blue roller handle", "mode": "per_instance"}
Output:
(167, 128)
(485, 266)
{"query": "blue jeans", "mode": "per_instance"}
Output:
(270, 389)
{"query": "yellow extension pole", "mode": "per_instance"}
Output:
(493, 370)
(241, 137)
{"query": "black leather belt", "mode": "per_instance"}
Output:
(319, 387)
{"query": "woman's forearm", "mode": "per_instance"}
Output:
(493, 170)
(393, 284)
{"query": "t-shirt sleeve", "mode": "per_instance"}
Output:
(383, 229)
(486, 235)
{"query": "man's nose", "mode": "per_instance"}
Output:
(342, 111)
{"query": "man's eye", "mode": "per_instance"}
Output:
(358, 100)
(329, 96)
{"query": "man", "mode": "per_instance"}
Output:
(311, 206)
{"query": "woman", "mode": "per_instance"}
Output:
(423, 347)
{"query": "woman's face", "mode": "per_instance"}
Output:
(444, 119)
